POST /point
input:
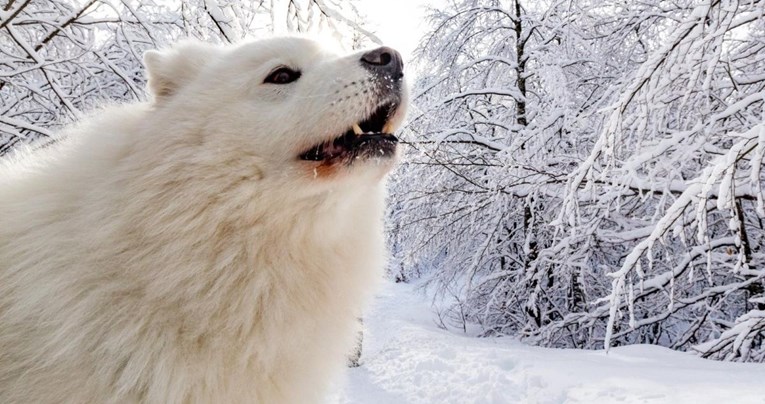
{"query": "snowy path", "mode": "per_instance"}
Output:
(407, 359)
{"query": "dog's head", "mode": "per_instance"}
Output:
(294, 107)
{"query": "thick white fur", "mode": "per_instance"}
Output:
(179, 252)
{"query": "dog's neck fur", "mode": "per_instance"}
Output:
(202, 288)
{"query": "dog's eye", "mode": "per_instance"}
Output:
(282, 75)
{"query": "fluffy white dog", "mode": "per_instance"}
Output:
(212, 246)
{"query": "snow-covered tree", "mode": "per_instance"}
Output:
(499, 127)
(588, 173)
(676, 176)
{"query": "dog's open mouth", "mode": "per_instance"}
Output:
(369, 138)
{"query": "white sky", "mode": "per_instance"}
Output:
(400, 24)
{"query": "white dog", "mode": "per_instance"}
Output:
(213, 246)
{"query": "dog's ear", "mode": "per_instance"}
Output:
(170, 69)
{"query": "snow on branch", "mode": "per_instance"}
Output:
(695, 194)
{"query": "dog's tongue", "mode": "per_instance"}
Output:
(334, 149)
(351, 143)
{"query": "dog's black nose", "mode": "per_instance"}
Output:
(385, 61)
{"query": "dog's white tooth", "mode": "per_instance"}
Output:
(357, 129)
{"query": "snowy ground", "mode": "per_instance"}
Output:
(407, 359)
